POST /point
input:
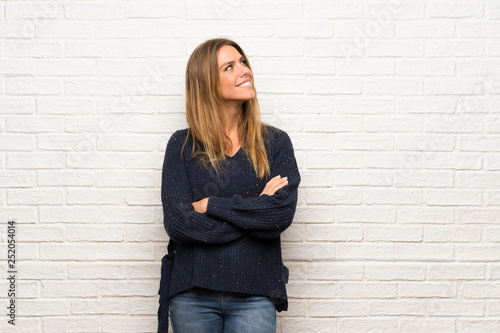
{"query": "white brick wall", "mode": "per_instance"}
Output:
(394, 111)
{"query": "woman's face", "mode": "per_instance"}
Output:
(235, 78)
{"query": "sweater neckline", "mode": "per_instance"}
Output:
(234, 153)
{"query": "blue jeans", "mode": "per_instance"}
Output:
(204, 311)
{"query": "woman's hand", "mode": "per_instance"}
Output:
(274, 184)
(201, 205)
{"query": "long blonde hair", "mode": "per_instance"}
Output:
(204, 112)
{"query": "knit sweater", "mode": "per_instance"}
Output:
(234, 246)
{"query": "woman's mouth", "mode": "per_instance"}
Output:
(245, 84)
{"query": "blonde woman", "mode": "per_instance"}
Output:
(229, 189)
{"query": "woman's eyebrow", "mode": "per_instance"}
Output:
(230, 62)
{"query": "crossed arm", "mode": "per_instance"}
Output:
(219, 220)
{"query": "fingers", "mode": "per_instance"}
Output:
(274, 184)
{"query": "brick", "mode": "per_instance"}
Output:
(363, 177)
(364, 29)
(473, 29)
(396, 308)
(474, 252)
(452, 197)
(372, 141)
(94, 160)
(19, 214)
(395, 271)
(95, 306)
(122, 142)
(68, 214)
(479, 290)
(35, 196)
(148, 49)
(435, 233)
(394, 48)
(456, 161)
(324, 9)
(423, 178)
(449, 48)
(312, 289)
(38, 12)
(368, 325)
(429, 28)
(456, 271)
(9, 179)
(89, 233)
(337, 308)
(65, 106)
(326, 86)
(125, 288)
(31, 124)
(425, 67)
(34, 86)
(333, 233)
(305, 29)
(336, 160)
(96, 270)
(143, 197)
(479, 143)
(97, 196)
(319, 66)
(392, 196)
(85, 87)
(71, 323)
(17, 67)
(478, 215)
(68, 289)
(365, 251)
(424, 251)
(65, 29)
(262, 9)
(427, 325)
(44, 307)
(479, 325)
(36, 233)
(38, 49)
(128, 324)
(333, 196)
(455, 9)
(427, 142)
(299, 251)
(333, 124)
(449, 308)
(86, 11)
(95, 49)
(37, 270)
(17, 105)
(339, 271)
(393, 234)
(370, 66)
(365, 214)
(476, 179)
(426, 290)
(130, 178)
(426, 104)
(367, 290)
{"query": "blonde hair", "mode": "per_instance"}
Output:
(204, 112)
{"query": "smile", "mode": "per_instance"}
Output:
(245, 84)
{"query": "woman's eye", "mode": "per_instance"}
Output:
(228, 67)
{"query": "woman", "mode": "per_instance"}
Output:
(229, 189)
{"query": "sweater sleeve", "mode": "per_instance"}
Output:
(182, 223)
(264, 216)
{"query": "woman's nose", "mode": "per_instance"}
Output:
(244, 70)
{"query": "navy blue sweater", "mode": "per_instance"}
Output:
(234, 246)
